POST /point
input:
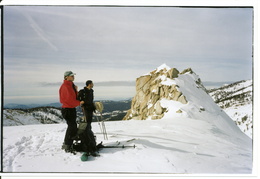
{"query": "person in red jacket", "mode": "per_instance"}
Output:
(68, 98)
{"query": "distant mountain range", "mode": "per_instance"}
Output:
(235, 99)
(28, 106)
(109, 105)
(15, 114)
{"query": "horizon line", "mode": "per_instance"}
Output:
(132, 83)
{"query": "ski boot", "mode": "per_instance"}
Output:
(68, 149)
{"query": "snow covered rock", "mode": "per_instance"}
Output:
(160, 95)
(155, 86)
(150, 89)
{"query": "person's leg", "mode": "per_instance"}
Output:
(89, 116)
(70, 116)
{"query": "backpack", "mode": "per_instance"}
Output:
(81, 95)
(86, 141)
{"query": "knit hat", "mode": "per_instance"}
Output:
(69, 73)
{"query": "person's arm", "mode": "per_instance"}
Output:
(80, 97)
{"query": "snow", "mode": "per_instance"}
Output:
(241, 87)
(200, 139)
(168, 82)
(172, 107)
(236, 101)
(181, 145)
(162, 67)
(18, 118)
(158, 69)
(237, 114)
(197, 99)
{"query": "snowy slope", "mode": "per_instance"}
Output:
(236, 100)
(202, 139)
(202, 107)
(41, 115)
(243, 117)
(18, 117)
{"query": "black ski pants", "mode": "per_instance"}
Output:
(70, 115)
(89, 116)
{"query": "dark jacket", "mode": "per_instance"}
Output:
(87, 95)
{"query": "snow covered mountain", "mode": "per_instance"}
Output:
(113, 110)
(166, 92)
(193, 136)
(236, 100)
(40, 115)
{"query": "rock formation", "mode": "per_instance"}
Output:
(151, 88)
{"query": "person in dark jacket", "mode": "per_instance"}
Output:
(87, 95)
(68, 97)
(88, 139)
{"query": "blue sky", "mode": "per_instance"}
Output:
(119, 44)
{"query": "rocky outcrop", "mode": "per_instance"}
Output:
(151, 88)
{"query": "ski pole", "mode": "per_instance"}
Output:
(104, 128)
(84, 113)
(99, 125)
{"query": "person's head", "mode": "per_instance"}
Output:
(89, 84)
(69, 75)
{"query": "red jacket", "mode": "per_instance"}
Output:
(68, 96)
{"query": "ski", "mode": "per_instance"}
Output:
(119, 146)
(84, 157)
(131, 140)
(100, 145)
(94, 154)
